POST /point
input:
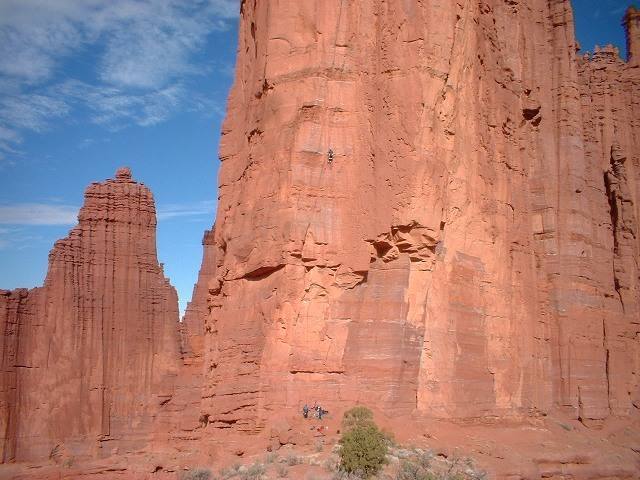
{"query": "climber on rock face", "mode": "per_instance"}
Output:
(305, 411)
(330, 155)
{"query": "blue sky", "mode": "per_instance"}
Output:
(90, 85)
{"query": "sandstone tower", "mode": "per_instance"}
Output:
(89, 357)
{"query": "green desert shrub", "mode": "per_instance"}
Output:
(364, 450)
(357, 416)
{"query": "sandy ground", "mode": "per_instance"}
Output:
(552, 447)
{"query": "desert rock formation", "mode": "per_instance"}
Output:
(88, 358)
(429, 207)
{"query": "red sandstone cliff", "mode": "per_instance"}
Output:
(468, 249)
(88, 358)
(428, 207)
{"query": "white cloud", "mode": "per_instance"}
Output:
(224, 8)
(149, 52)
(7, 135)
(31, 112)
(7, 237)
(141, 53)
(20, 238)
(34, 35)
(169, 211)
(115, 107)
(8, 138)
(146, 41)
(43, 214)
(37, 214)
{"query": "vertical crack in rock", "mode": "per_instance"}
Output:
(622, 222)
(605, 347)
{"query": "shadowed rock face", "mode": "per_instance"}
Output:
(88, 358)
(418, 211)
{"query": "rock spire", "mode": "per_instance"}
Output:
(89, 357)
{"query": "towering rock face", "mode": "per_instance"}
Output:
(89, 357)
(431, 207)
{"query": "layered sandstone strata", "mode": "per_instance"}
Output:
(89, 358)
(431, 207)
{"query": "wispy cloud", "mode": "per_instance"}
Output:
(146, 42)
(7, 135)
(8, 140)
(137, 53)
(619, 10)
(43, 214)
(20, 238)
(37, 214)
(115, 107)
(30, 111)
(193, 209)
(4, 237)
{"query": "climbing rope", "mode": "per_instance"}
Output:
(325, 137)
(326, 143)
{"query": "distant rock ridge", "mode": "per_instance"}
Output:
(632, 29)
(197, 308)
(89, 358)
